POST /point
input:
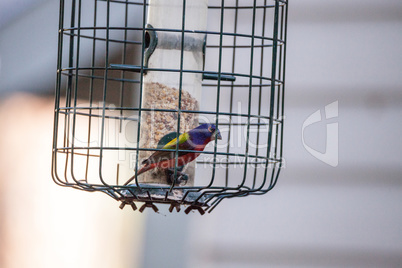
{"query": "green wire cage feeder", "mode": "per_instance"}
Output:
(133, 76)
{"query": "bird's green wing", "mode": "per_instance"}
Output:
(172, 144)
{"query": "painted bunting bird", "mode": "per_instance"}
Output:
(195, 140)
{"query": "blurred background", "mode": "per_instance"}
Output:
(346, 214)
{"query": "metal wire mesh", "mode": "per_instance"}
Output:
(97, 120)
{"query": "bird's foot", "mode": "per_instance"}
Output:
(180, 176)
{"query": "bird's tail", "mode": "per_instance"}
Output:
(142, 170)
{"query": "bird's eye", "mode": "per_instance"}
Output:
(210, 129)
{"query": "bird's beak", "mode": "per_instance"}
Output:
(218, 135)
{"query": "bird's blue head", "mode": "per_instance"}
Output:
(205, 133)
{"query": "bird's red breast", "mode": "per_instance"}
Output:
(181, 161)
